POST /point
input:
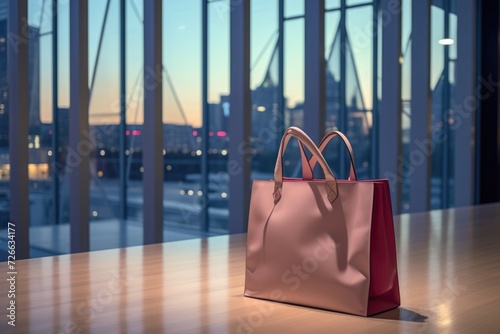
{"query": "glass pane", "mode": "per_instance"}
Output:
(265, 85)
(107, 230)
(293, 7)
(357, 104)
(293, 90)
(333, 85)
(182, 118)
(359, 86)
(48, 235)
(294, 70)
(218, 98)
(40, 105)
(331, 4)
(134, 73)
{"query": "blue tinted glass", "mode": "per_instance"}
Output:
(265, 85)
(330, 4)
(293, 7)
(182, 117)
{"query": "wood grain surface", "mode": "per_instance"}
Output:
(449, 271)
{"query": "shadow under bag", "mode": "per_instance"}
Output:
(323, 243)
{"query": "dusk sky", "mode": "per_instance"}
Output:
(182, 53)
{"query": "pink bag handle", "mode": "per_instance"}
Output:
(326, 139)
(303, 138)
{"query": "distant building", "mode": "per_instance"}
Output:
(179, 138)
(33, 79)
(217, 119)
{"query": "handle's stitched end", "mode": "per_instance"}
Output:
(331, 191)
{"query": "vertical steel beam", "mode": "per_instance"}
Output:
(421, 108)
(19, 124)
(206, 117)
(123, 113)
(153, 124)
(55, 115)
(315, 69)
(478, 133)
(390, 108)
(445, 112)
(239, 118)
(280, 121)
(80, 141)
(467, 102)
(375, 125)
(343, 116)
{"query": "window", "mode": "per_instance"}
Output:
(196, 108)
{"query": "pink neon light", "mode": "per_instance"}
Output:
(221, 133)
(195, 133)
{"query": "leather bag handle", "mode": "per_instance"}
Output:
(326, 139)
(303, 138)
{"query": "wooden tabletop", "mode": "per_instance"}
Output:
(449, 273)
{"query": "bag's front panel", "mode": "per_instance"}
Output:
(306, 250)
